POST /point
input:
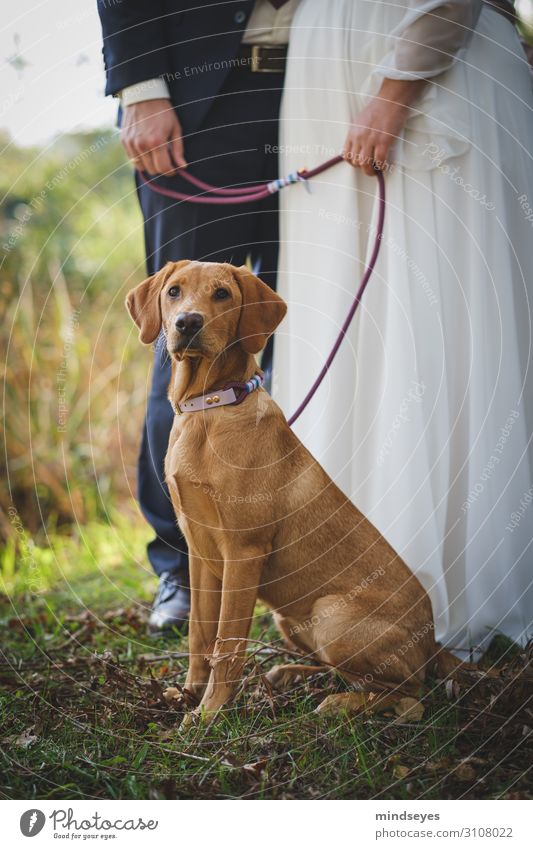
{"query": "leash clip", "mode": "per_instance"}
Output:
(303, 179)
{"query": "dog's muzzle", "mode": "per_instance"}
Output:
(188, 325)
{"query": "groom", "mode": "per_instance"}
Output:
(199, 87)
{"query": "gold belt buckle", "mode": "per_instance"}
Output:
(256, 67)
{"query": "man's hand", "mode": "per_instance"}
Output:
(376, 128)
(152, 137)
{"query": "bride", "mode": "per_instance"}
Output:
(425, 418)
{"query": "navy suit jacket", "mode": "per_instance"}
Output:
(191, 44)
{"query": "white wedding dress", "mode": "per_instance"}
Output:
(425, 418)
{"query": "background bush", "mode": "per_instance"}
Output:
(74, 377)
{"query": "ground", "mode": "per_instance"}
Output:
(83, 713)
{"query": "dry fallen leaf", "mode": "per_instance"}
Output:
(24, 740)
(452, 688)
(352, 703)
(256, 769)
(408, 710)
(464, 772)
(400, 771)
(349, 703)
(171, 695)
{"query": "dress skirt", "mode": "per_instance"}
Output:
(425, 418)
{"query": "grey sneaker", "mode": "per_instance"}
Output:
(171, 605)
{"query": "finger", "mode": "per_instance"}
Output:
(352, 154)
(162, 160)
(381, 153)
(149, 165)
(177, 152)
(125, 138)
(145, 163)
(346, 150)
(349, 155)
(143, 155)
(349, 144)
(136, 161)
(365, 147)
(367, 160)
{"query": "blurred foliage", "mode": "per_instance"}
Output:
(74, 377)
(525, 16)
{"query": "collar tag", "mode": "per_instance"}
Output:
(232, 394)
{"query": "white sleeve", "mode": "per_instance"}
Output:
(429, 37)
(147, 90)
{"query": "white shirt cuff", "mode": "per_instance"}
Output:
(146, 90)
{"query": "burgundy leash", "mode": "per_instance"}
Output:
(249, 194)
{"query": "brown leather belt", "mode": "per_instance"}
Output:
(263, 58)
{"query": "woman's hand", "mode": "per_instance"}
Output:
(376, 128)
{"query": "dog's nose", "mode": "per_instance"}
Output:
(189, 323)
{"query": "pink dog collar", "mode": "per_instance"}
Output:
(231, 394)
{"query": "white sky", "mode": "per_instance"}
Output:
(61, 86)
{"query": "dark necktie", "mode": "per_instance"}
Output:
(278, 3)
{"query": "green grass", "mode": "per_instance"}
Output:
(83, 716)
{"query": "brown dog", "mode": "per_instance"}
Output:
(261, 517)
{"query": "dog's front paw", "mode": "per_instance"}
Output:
(199, 716)
(281, 677)
(288, 675)
(190, 720)
(194, 690)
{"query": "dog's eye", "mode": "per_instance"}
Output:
(173, 292)
(221, 294)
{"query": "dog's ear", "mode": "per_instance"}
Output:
(261, 312)
(143, 302)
